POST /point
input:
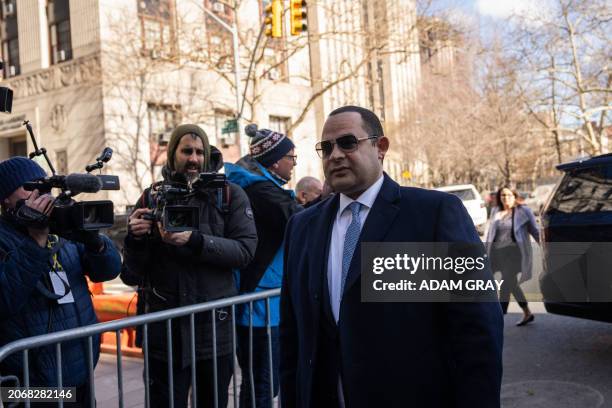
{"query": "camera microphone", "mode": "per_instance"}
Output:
(83, 183)
(76, 182)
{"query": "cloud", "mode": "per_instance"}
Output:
(462, 19)
(525, 9)
(527, 14)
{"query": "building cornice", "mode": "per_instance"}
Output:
(81, 71)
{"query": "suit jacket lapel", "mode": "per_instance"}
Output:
(319, 242)
(380, 218)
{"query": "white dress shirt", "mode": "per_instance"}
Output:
(336, 248)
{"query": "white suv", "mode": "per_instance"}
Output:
(472, 201)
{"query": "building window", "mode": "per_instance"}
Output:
(60, 43)
(157, 28)
(61, 161)
(10, 39)
(220, 47)
(18, 146)
(279, 124)
(163, 119)
(221, 10)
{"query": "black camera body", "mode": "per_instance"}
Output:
(82, 216)
(208, 181)
(169, 204)
(170, 201)
(69, 215)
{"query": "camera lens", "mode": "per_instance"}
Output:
(176, 219)
(90, 215)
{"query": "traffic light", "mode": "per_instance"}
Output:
(297, 10)
(274, 18)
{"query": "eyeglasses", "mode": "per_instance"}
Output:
(292, 157)
(346, 143)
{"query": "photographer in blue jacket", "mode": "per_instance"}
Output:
(262, 174)
(42, 282)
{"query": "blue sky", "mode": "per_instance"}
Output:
(489, 16)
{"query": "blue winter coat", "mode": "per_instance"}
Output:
(25, 312)
(272, 207)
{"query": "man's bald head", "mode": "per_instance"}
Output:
(308, 189)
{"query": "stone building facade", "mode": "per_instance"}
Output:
(121, 73)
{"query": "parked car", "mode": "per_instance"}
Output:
(522, 196)
(538, 197)
(472, 201)
(577, 276)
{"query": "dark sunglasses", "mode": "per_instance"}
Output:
(346, 143)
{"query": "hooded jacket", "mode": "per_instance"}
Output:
(25, 311)
(272, 207)
(199, 271)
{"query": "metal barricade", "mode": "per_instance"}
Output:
(27, 344)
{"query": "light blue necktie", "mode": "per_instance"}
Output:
(350, 240)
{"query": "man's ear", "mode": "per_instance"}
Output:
(300, 196)
(383, 146)
(275, 166)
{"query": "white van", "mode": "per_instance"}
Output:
(472, 201)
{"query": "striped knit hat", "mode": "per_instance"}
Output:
(267, 146)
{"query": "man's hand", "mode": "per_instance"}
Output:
(43, 204)
(138, 226)
(174, 238)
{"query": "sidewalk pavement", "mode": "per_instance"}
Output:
(133, 386)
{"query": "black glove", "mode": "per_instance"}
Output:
(91, 239)
(28, 217)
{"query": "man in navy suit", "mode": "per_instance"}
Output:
(337, 351)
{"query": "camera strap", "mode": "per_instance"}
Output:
(224, 196)
(144, 287)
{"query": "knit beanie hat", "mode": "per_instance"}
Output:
(175, 138)
(16, 171)
(267, 146)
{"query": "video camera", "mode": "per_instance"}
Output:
(170, 201)
(67, 215)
